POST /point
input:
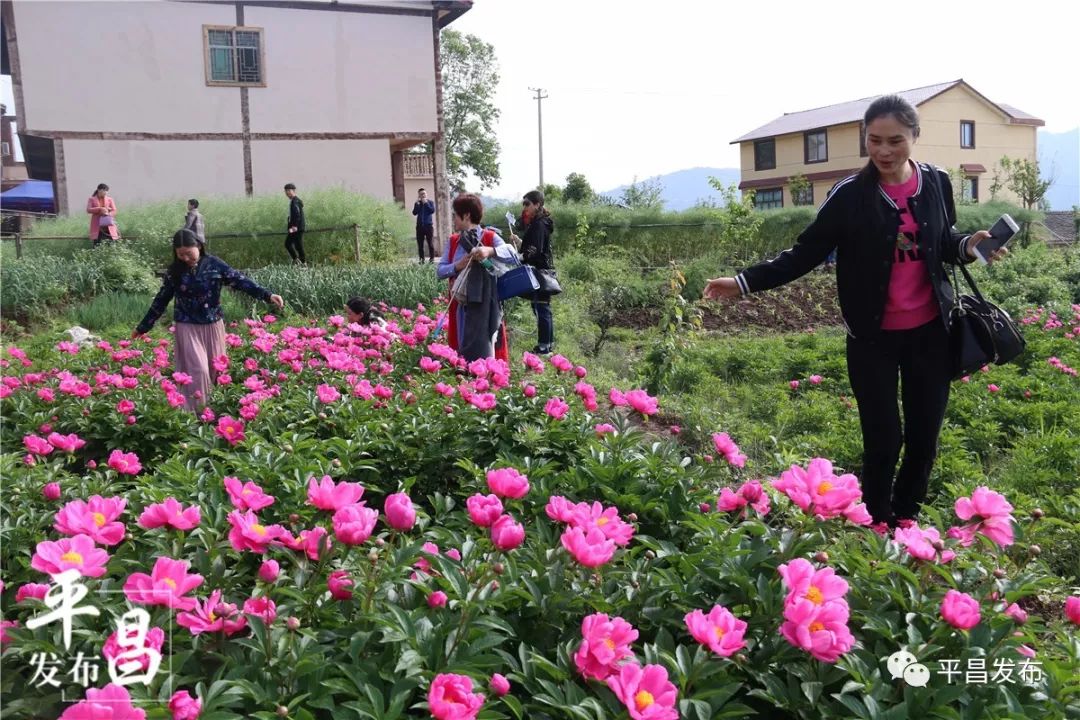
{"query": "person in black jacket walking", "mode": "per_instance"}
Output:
(536, 251)
(424, 210)
(294, 241)
(891, 226)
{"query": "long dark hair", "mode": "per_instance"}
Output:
(184, 238)
(536, 197)
(904, 113)
(363, 308)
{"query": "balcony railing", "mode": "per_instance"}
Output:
(419, 166)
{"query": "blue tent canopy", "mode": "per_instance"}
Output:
(32, 195)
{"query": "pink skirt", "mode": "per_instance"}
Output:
(196, 347)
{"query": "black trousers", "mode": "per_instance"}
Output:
(294, 244)
(920, 359)
(425, 232)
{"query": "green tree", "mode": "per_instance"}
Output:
(552, 192)
(577, 189)
(1021, 177)
(470, 76)
(800, 189)
(740, 223)
(646, 194)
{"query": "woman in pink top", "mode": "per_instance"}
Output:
(891, 226)
(102, 211)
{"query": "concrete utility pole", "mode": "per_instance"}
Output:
(540, 128)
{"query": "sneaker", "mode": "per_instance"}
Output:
(541, 350)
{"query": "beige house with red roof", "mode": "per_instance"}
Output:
(961, 130)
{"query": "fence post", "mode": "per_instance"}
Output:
(18, 246)
(356, 240)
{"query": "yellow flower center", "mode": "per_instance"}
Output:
(814, 595)
(245, 491)
(72, 557)
(643, 699)
(816, 626)
(170, 582)
(99, 519)
(610, 643)
(824, 487)
(213, 617)
(602, 522)
(718, 632)
(258, 528)
(229, 430)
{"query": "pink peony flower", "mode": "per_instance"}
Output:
(820, 630)
(645, 691)
(507, 534)
(37, 591)
(262, 608)
(556, 408)
(602, 429)
(247, 496)
(268, 571)
(726, 446)
(51, 491)
(170, 513)
(484, 509)
(353, 524)
(327, 393)
(211, 615)
(124, 463)
(326, 495)
(1072, 609)
(112, 702)
(183, 706)
(607, 520)
(437, 599)
(66, 443)
(499, 685)
(720, 631)
(166, 585)
(750, 493)
(960, 610)
(818, 491)
(642, 402)
(154, 640)
(96, 518)
(450, 697)
(605, 642)
(794, 384)
(399, 511)
(124, 407)
(37, 445)
(339, 583)
(815, 379)
(508, 483)
(529, 391)
(560, 509)
(4, 625)
(78, 553)
(1017, 613)
(992, 388)
(248, 533)
(992, 514)
(589, 547)
(803, 581)
(920, 542)
(230, 429)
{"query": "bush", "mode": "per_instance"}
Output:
(259, 220)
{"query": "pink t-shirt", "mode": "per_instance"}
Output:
(911, 301)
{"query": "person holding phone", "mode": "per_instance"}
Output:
(891, 226)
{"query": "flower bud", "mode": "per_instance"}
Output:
(293, 623)
(498, 568)
(373, 555)
(282, 711)
(294, 518)
(288, 448)
(379, 542)
(821, 556)
(1035, 551)
(632, 517)
(1037, 513)
(999, 573)
(336, 462)
(938, 545)
(649, 554)
(322, 416)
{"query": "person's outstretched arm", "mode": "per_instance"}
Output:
(157, 307)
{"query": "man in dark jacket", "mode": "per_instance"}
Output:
(424, 210)
(294, 241)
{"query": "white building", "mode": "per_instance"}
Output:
(175, 98)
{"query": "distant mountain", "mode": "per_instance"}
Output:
(1059, 158)
(685, 188)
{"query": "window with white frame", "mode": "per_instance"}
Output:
(234, 56)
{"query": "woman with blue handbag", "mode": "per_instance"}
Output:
(475, 326)
(536, 251)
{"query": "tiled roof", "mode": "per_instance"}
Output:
(852, 111)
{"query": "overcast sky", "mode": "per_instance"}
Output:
(646, 88)
(641, 88)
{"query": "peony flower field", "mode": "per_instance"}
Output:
(360, 524)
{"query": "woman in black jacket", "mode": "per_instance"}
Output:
(536, 251)
(891, 227)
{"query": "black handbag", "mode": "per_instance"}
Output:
(981, 332)
(549, 281)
